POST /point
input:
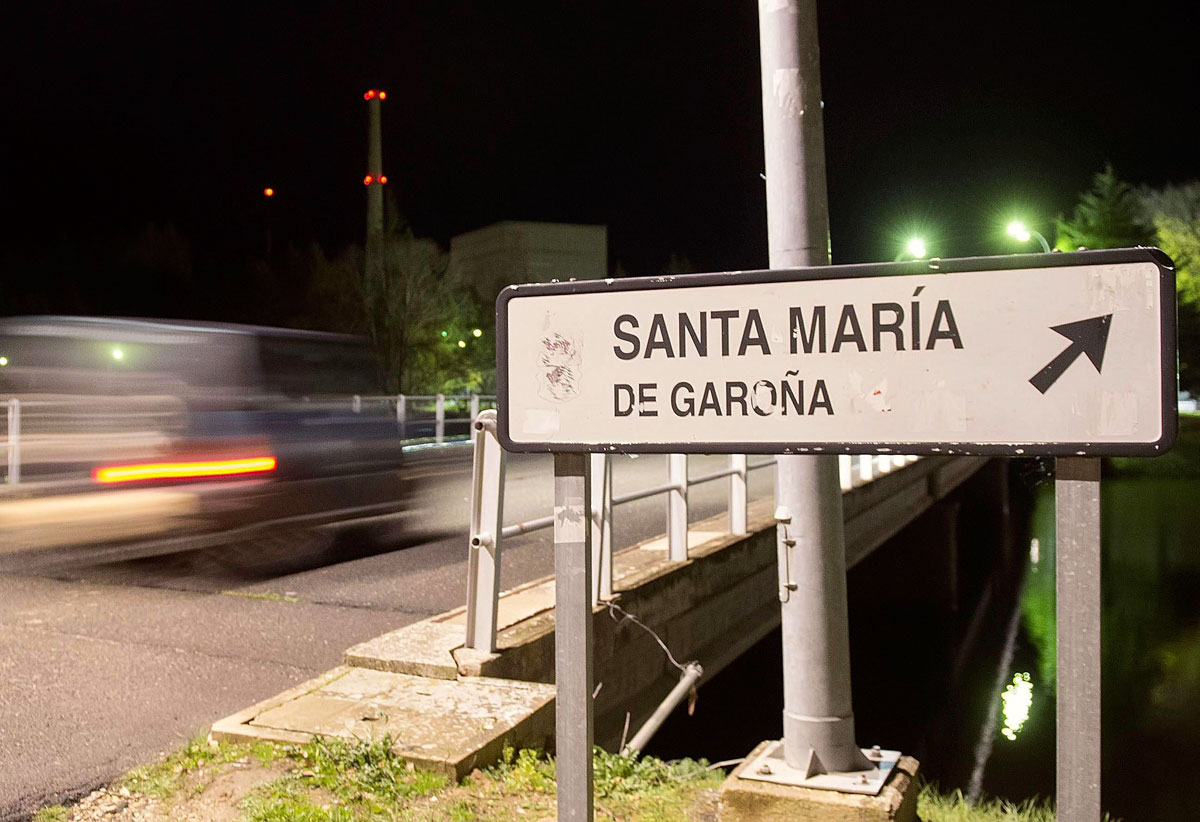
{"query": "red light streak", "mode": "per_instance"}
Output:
(182, 470)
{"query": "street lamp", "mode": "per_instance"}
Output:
(914, 248)
(1017, 230)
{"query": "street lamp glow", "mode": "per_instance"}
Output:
(462, 343)
(1017, 230)
(914, 248)
(118, 354)
(478, 332)
(3, 361)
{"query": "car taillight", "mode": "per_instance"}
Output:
(182, 470)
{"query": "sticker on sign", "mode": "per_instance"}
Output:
(1048, 354)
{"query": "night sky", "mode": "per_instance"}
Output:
(946, 117)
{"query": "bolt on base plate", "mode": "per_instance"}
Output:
(770, 766)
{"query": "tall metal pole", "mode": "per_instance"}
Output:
(818, 723)
(574, 731)
(1077, 573)
(374, 183)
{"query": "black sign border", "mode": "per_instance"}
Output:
(1167, 305)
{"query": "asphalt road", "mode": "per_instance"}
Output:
(104, 667)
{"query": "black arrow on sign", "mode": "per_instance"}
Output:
(1087, 337)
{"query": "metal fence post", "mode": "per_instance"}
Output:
(402, 415)
(573, 672)
(865, 465)
(487, 523)
(474, 406)
(602, 546)
(846, 471)
(356, 404)
(1077, 585)
(439, 425)
(14, 441)
(677, 509)
(737, 494)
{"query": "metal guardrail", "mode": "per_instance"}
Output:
(12, 442)
(423, 416)
(488, 530)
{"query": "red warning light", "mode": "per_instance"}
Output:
(370, 94)
(382, 179)
(367, 180)
(268, 192)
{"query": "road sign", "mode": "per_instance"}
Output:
(1048, 354)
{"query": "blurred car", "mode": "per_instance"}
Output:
(154, 435)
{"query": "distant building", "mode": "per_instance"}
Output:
(525, 252)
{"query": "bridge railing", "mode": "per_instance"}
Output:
(488, 531)
(435, 418)
(12, 441)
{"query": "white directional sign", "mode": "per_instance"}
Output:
(1052, 354)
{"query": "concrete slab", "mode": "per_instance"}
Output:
(695, 539)
(749, 800)
(424, 648)
(448, 726)
(515, 605)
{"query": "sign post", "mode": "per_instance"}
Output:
(1077, 583)
(573, 722)
(1064, 355)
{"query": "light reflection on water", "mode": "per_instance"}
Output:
(1015, 703)
(1151, 651)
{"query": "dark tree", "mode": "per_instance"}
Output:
(1108, 215)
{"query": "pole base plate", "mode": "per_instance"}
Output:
(770, 766)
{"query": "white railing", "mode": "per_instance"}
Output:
(488, 530)
(12, 442)
(423, 416)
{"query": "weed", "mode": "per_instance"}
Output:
(282, 802)
(524, 770)
(52, 813)
(367, 772)
(628, 773)
(462, 811)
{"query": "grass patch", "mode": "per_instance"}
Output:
(336, 780)
(933, 806)
(163, 779)
(363, 771)
(365, 781)
(287, 801)
(52, 813)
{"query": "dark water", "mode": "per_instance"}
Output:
(932, 674)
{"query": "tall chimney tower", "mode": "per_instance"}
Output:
(374, 181)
